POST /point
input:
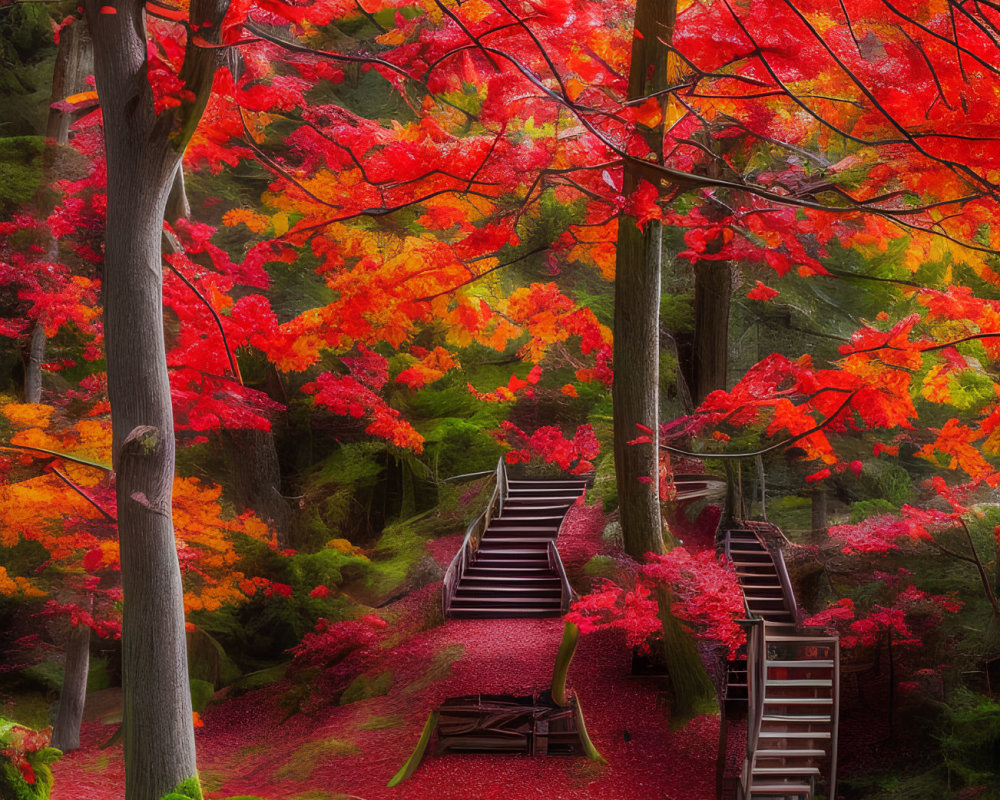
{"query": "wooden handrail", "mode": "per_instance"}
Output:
(756, 670)
(473, 536)
(567, 595)
(778, 556)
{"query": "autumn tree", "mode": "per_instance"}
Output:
(144, 141)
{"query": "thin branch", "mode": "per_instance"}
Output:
(76, 488)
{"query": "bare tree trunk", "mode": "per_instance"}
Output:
(74, 62)
(33, 369)
(66, 732)
(143, 151)
(712, 296)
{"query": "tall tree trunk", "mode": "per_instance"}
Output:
(33, 369)
(66, 732)
(74, 62)
(143, 151)
(635, 392)
(712, 296)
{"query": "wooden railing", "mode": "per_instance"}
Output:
(473, 536)
(756, 671)
(567, 595)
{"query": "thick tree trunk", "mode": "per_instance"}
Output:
(635, 392)
(712, 296)
(33, 368)
(143, 152)
(66, 731)
(257, 478)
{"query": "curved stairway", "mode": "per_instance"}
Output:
(790, 678)
(511, 573)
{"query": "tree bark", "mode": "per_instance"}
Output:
(635, 392)
(257, 478)
(712, 299)
(74, 62)
(66, 731)
(33, 369)
(143, 152)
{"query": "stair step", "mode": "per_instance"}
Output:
(789, 752)
(521, 591)
(465, 603)
(798, 719)
(782, 789)
(507, 569)
(787, 683)
(790, 770)
(821, 663)
(502, 613)
(532, 542)
(489, 580)
(798, 701)
(520, 483)
(794, 735)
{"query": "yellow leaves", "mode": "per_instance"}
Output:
(13, 586)
(954, 441)
(27, 415)
(345, 547)
(936, 387)
(257, 223)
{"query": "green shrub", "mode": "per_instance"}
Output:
(971, 744)
(24, 762)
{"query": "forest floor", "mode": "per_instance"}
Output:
(247, 747)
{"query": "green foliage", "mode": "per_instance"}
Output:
(201, 694)
(47, 675)
(364, 687)
(187, 789)
(27, 55)
(970, 744)
(863, 509)
(19, 780)
(21, 170)
(605, 486)
(791, 513)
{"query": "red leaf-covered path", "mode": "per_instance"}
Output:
(353, 750)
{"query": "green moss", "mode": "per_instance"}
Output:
(366, 686)
(261, 678)
(309, 756)
(380, 723)
(439, 669)
(187, 789)
(863, 509)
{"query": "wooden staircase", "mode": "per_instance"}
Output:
(514, 570)
(790, 678)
